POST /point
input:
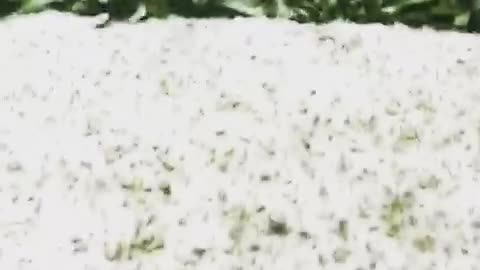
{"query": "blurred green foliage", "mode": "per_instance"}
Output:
(461, 15)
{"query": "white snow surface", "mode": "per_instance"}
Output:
(237, 144)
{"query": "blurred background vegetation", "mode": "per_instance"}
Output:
(458, 15)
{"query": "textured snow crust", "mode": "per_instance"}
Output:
(242, 144)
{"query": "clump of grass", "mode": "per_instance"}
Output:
(396, 213)
(240, 218)
(424, 244)
(343, 229)
(140, 245)
(432, 182)
(340, 255)
(407, 138)
(277, 227)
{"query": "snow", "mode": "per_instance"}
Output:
(241, 144)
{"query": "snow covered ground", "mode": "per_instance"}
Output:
(244, 144)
